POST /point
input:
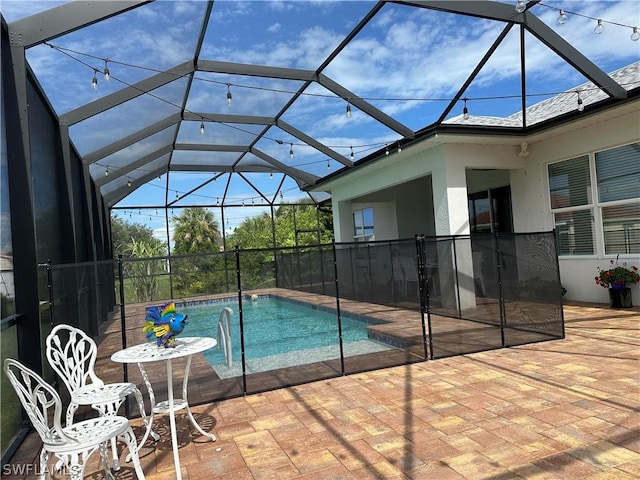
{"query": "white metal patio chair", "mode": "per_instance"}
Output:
(71, 445)
(72, 355)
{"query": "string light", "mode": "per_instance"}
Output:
(94, 80)
(107, 74)
(465, 110)
(348, 109)
(520, 6)
(599, 27)
(202, 127)
(271, 174)
(229, 96)
(351, 155)
(328, 164)
(291, 150)
(386, 150)
(580, 104)
(562, 19)
(129, 183)
(399, 147)
(106, 171)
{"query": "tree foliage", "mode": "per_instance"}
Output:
(196, 230)
(144, 273)
(197, 237)
(296, 224)
(124, 234)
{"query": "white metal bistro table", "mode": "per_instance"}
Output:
(150, 352)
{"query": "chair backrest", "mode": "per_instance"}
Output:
(72, 355)
(40, 400)
(409, 268)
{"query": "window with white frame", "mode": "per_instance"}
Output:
(597, 196)
(363, 225)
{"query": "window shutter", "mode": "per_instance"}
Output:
(618, 173)
(574, 232)
(621, 225)
(570, 183)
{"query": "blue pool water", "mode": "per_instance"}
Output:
(277, 333)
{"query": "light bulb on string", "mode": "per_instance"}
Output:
(399, 147)
(229, 96)
(291, 150)
(348, 109)
(580, 104)
(106, 171)
(107, 74)
(328, 164)
(351, 154)
(465, 110)
(94, 80)
(202, 127)
(520, 6)
(635, 35)
(599, 27)
(129, 183)
(386, 150)
(562, 18)
(271, 174)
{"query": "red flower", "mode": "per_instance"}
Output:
(618, 274)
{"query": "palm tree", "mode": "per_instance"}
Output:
(196, 234)
(196, 231)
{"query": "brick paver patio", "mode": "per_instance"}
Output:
(562, 409)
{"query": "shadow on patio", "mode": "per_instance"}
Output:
(560, 409)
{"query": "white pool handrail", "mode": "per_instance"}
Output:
(224, 334)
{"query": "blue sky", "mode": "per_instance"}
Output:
(407, 62)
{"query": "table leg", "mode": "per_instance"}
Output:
(172, 420)
(185, 381)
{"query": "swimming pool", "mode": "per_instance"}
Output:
(277, 334)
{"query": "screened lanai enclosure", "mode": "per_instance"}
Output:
(144, 110)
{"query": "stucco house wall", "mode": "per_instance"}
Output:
(395, 187)
(531, 201)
